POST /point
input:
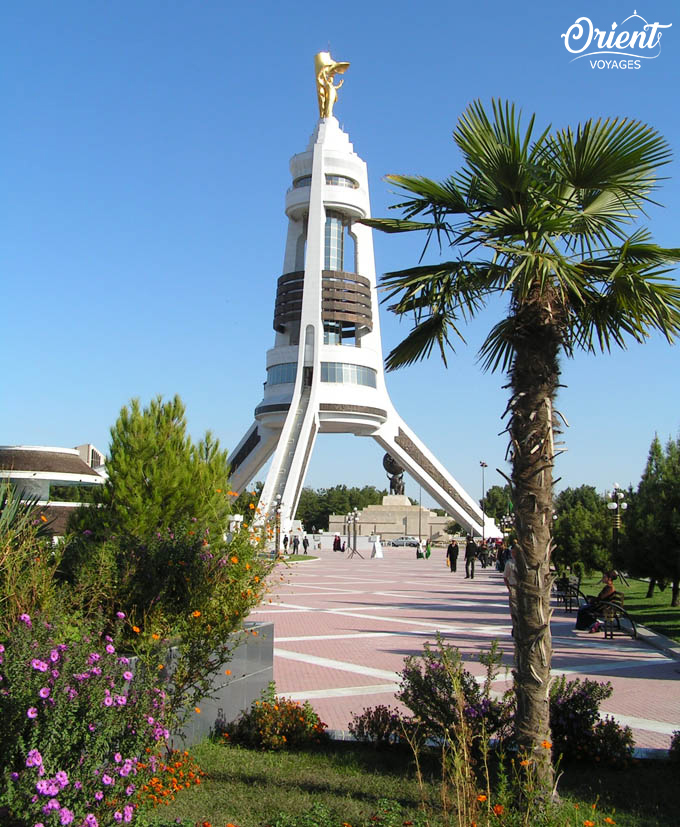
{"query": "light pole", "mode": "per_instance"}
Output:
(277, 503)
(616, 506)
(483, 465)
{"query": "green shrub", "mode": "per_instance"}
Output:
(440, 692)
(276, 723)
(577, 729)
(380, 725)
(674, 751)
(27, 560)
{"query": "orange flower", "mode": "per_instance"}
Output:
(588, 823)
(155, 636)
(227, 671)
(197, 710)
(206, 823)
(234, 559)
(43, 518)
(136, 629)
(609, 820)
(232, 493)
(251, 506)
(196, 613)
(498, 809)
(546, 744)
(525, 763)
(481, 797)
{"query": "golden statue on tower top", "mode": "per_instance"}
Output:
(326, 68)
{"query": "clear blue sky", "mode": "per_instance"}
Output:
(145, 148)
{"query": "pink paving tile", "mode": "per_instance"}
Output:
(357, 615)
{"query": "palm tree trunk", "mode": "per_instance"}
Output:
(534, 378)
(650, 588)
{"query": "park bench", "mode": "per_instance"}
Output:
(566, 590)
(614, 617)
(611, 615)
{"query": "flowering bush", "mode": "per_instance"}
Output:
(177, 589)
(276, 723)
(76, 719)
(439, 690)
(380, 725)
(170, 775)
(577, 729)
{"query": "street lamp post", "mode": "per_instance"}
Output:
(483, 465)
(277, 503)
(616, 506)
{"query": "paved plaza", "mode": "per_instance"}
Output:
(344, 626)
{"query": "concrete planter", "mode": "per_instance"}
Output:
(251, 671)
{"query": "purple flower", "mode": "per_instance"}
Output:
(128, 811)
(39, 665)
(124, 661)
(38, 824)
(26, 619)
(118, 816)
(99, 795)
(121, 700)
(106, 779)
(52, 804)
(94, 657)
(108, 701)
(61, 778)
(55, 673)
(120, 615)
(130, 789)
(34, 758)
(32, 712)
(54, 655)
(95, 671)
(117, 758)
(91, 820)
(127, 675)
(77, 785)
(14, 776)
(65, 816)
(44, 692)
(110, 648)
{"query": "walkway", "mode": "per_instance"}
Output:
(343, 628)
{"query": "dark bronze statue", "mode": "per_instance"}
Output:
(395, 474)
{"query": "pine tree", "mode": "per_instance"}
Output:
(157, 477)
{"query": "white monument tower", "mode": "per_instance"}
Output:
(325, 371)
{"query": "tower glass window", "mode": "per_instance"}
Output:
(348, 374)
(334, 242)
(282, 374)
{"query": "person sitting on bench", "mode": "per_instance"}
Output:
(587, 615)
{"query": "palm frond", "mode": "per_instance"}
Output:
(434, 331)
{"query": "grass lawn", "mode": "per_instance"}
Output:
(655, 613)
(250, 788)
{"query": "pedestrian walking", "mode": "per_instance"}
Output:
(305, 544)
(285, 543)
(470, 557)
(452, 555)
(296, 544)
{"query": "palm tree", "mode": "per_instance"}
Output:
(539, 220)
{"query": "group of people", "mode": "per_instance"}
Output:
(295, 544)
(487, 553)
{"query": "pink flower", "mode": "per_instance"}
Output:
(39, 665)
(32, 712)
(108, 701)
(26, 619)
(106, 779)
(65, 816)
(44, 692)
(110, 648)
(127, 675)
(34, 758)
(120, 615)
(61, 778)
(54, 655)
